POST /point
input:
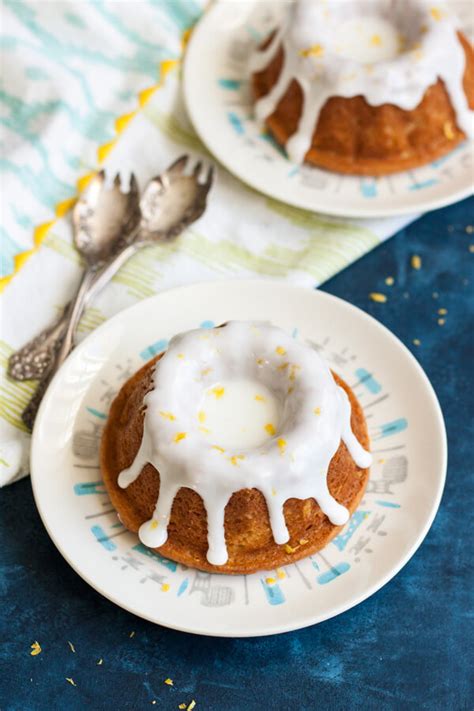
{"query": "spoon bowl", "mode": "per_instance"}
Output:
(174, 200)
(104, 218)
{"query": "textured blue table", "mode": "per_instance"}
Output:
(410, 646)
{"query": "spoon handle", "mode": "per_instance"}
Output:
(74, 315)
(35, 358)
(92, 282)
(59, 347)
(111, 268)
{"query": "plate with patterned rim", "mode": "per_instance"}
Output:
(401, 500)
(217, 94)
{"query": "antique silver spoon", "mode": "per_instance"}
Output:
(33, 360)
(103, 218)
(169, 204)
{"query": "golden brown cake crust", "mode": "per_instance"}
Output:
(353, 137)
(248, 535)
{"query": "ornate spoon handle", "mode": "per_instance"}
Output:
(36, 357)
(60, 347)
(29, 413)
(92, 282)
(33, 360)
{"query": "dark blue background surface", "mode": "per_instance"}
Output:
(409, 646)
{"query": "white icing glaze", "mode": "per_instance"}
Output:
(310, 415)
(243, 418)
(327, 57)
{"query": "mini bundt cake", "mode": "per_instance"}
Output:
(365, 88)
(237, 450)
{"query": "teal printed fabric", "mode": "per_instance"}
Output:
(69, 69)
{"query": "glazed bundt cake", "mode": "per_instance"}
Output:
(365, 87)
(237, 450)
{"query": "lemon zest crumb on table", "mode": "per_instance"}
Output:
(416, 261)
(35, 649)
(379, 298)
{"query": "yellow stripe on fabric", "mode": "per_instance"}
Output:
(122, 122)
(63, 207)
(104, 150)
(84, 181)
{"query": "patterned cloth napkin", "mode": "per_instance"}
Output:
(80, 89)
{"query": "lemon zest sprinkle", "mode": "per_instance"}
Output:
(218, 391)
(259, 398)
(270, 429)
(379, 298)
(316, 50)
(280, 350)
(219, 449)
(167, 415)
(448, 131)
(164, 588)
(71, 681)
(179, 436)
(416, 261)
(201, 416)
(168, 681)
(293, 369)
(35, 649)
(270, 581)
(317, 410)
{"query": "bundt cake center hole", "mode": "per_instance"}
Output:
(239, 413)
(368, 40)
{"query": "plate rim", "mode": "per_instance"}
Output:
(288, 626)
(247, 177)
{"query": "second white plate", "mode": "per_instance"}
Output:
(406, 482)
(218, 99)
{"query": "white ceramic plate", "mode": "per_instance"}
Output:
(218, 99)
(408, 442)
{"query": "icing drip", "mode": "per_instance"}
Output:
(330, 52)
(203, 428)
